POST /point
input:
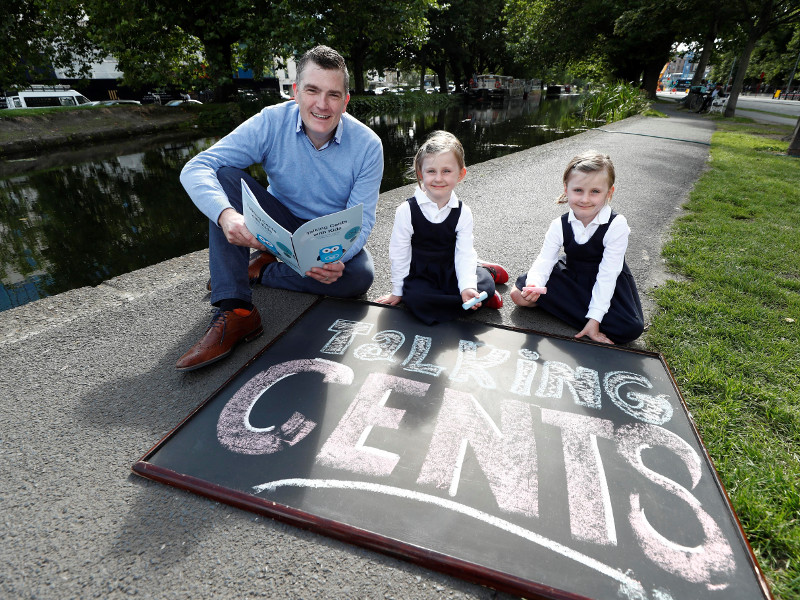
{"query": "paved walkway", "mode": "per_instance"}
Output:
(88, 386)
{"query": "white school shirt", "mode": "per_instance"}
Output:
(615, 242)
(466, 259)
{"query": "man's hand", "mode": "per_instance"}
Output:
(328, 273)
(236, 232)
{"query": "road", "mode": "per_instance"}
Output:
(758, 108)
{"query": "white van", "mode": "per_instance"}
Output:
(45, 96)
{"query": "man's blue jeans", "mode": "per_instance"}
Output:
(228, 263)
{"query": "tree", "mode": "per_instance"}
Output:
(364, 31)
(634, 37)
(756, 18)
(40, 35)
(630, 37)
(794, 145)
(156, 43)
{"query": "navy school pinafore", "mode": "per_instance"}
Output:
(430, 290)
(569, 289)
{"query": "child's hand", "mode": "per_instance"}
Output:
(389, 299)
(470, 293)
(523, 298)
(592, 329)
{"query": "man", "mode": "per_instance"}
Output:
(318, 160)
(708, 101)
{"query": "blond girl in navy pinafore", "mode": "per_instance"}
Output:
(593, 289)
(435, 269)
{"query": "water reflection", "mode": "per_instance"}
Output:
(67, 220)
(487, 131)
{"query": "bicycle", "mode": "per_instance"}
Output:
(694, 100)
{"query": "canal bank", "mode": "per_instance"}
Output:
(75, 128)
(89, 385)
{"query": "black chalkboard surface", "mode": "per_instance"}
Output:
(537, 465)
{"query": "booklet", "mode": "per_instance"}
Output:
(316, 242)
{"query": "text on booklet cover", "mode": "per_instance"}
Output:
(317, 242)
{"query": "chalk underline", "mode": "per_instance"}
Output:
(479, 515)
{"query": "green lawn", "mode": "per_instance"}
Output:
(730, 331)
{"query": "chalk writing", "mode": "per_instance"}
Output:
(584, 384)
(234, 430)
(470, 366)
(651, 409)
(387, 343)
(708, 562)
(526, 369)
(506, 454)
(346, 449)
(345, 332)
(507, 457)
(590, 514)
(419, 352)
(475, 360)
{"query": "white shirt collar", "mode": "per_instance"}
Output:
(422, 198)
(337, 135)
(600, 218)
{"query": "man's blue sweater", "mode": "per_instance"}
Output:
(309, 182)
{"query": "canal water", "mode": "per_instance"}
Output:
(74, 219)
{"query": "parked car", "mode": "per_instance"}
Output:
(113, 102)
(46, 96)
(182, 102)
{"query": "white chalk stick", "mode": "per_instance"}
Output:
(470, 303)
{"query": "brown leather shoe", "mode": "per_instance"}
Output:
(258, 262)
(226, 330)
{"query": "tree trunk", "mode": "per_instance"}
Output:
(219, 56)
(441, 73)
(358, 72)
(650, 77)
(736, 88)
(794, 146)
(758, 28)
(705, 55)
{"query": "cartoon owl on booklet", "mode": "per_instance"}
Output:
(330, 254)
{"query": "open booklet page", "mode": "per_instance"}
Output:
(316, 242)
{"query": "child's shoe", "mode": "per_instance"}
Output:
(498, 272)
(495, 301)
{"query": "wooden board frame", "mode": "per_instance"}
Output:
(421, 554)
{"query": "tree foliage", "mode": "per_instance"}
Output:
(37, 36)
(364, 32)
(156, 43)
(755, 19)
(633, 37)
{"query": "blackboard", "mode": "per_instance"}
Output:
(534, 464)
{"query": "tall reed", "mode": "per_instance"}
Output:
(613, 102)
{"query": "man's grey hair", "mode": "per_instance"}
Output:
(326, 58)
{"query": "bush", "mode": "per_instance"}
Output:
(614, 102)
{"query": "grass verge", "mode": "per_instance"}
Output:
(730, 331)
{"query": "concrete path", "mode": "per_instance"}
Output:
(88, 386)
